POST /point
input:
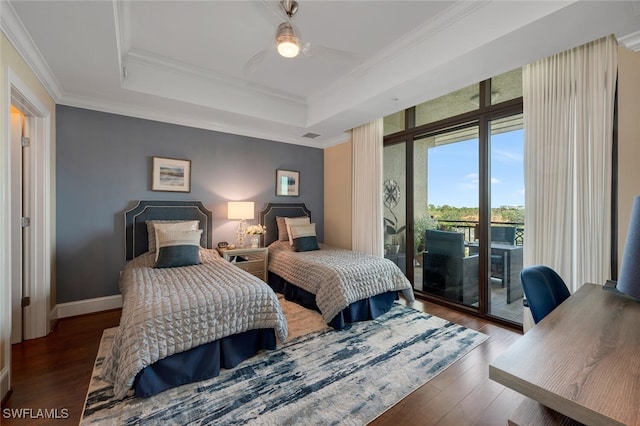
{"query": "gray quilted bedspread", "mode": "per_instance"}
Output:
(337, 277)
(167, 311)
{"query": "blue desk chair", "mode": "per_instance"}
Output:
(544, 290)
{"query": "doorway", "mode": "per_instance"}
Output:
(29, 254)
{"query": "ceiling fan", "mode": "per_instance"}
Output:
(287, 40)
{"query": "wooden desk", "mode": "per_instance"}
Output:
(582, 360)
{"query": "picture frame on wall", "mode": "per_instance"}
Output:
(287, 183)
(171, 174)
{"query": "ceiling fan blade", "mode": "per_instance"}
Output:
(254, 63)
(275, 8)
(318, 50)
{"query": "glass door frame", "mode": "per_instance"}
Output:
(481, 118)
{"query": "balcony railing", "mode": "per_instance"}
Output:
(468, 228)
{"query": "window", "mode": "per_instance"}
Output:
(460, 172)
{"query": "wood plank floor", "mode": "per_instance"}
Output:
(53, 372)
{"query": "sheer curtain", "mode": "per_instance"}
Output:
(367, 235)
(568, 121)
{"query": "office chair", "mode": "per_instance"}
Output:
(544, 290)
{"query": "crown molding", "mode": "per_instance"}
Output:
(14, 30)
(121, 21)
(631, 41)
(252, 130)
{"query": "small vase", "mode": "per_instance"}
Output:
(255, 240)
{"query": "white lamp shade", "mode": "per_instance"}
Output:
(240, 210)
(629, 278)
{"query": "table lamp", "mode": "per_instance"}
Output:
(629, 278)
(242, 210)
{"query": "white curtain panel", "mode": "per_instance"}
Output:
(568, 122)
(367, 221)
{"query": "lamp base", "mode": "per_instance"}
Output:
(240, 233)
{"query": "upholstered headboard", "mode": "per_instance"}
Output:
(135, 228)
(268, 215)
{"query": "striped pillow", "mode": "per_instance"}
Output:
(178, 248)
(295, 221)
(167, 225)
(304, 237)
(282, 229)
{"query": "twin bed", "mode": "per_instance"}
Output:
(343, 285)
(182, 324)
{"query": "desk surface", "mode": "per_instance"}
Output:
(582, 360)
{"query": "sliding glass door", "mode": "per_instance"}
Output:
(446, 182)
(507, 217)
(454, 196)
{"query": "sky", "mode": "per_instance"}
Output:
(454, 172)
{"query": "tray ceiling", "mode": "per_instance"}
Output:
(185, 62)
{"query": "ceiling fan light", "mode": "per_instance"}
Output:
(287, 41)
(288, 48)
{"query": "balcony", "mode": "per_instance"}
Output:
(505, 288)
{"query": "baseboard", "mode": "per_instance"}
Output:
(88, 306)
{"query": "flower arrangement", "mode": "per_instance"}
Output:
(256, 230)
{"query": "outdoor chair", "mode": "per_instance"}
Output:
(447, 271)
(501, 235)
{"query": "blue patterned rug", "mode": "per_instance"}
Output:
(326, 377)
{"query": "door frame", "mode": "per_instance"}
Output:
(37, 316)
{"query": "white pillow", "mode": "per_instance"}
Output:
(168, 225)
(295, 221)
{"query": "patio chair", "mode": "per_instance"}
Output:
(501, 235)
(447, 271)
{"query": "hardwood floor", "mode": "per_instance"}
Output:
(53, 372)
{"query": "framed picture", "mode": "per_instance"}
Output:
(171, 174)
(287, 183)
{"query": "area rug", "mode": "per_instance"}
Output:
(327, 377)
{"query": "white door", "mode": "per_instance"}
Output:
(20, 229)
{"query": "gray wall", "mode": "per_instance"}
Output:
(103, 164)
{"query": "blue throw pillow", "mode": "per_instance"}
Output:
(178, 248)
(304, 237)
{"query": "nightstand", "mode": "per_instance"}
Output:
(252, 260)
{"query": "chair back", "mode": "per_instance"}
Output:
(446, 243)
(503, 235)
(544, 290)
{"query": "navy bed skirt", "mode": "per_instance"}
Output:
(361, 310)
(202, 362)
